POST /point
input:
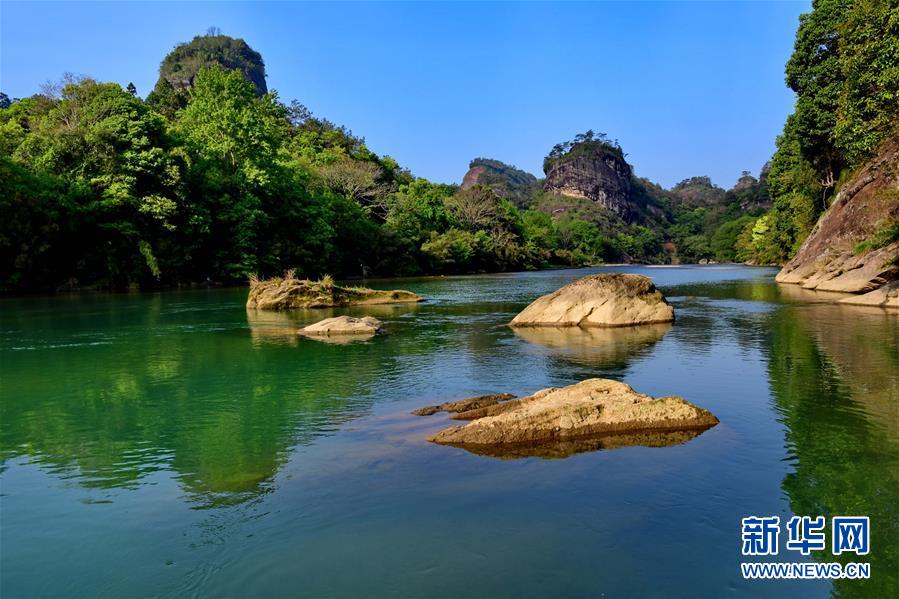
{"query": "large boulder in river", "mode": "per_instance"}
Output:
(603, 300)
(284, 293)
(589, 409)
(344, 325)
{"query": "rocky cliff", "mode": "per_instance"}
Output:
(595, 171)
(507, 181)
(854, 247)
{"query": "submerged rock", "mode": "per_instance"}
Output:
(465, 405)
(587, 410)
(344, 325)
(288, 292)
(603, 300)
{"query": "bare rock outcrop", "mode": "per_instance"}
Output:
(590, 409)
(602, 300)
(853, 246)
(344, 325)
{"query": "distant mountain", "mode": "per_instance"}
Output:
(698, 192)
(509, 182)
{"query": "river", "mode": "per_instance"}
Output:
(174, 444)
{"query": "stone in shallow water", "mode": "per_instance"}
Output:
(591, 409)
(344, 325)
(465, 405)
(603, 300)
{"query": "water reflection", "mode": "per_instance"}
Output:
(835, 381)
(596, 346)
(173, 389)
(569, 447)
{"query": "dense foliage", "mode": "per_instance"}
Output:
(212, 179)
(845, 72)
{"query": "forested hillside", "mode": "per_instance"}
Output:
(213, 178)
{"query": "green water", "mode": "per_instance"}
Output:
(172, 444)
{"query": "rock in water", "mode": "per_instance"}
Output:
(284, 293)
(603, 300)
(464, 405)
(589, 409)
(344, 325)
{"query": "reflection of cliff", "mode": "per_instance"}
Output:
(835, 379)
(595, 346)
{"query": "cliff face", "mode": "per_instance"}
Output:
(184, 62)
(600, 175)
(507, 181)
(854, 247)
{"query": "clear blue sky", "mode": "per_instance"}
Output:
(688, 88)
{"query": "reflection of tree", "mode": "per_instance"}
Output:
(835, 379)
(186, 393)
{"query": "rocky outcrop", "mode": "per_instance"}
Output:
(344, 325)
(594, 171)
(589, 409)
(183, 63)
(289, 293)
(508, 182)
(603, 300)
(465, 405)
(853, 247)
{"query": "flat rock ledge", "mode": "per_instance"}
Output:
(285, 293)
(603, 300)
(566, 419)
(465, 405)
(344, 325)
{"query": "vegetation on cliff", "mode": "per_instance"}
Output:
(845, 75)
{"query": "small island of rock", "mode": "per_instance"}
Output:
(602, 300)
(594, 408)
(288, 292)
(344, 325)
